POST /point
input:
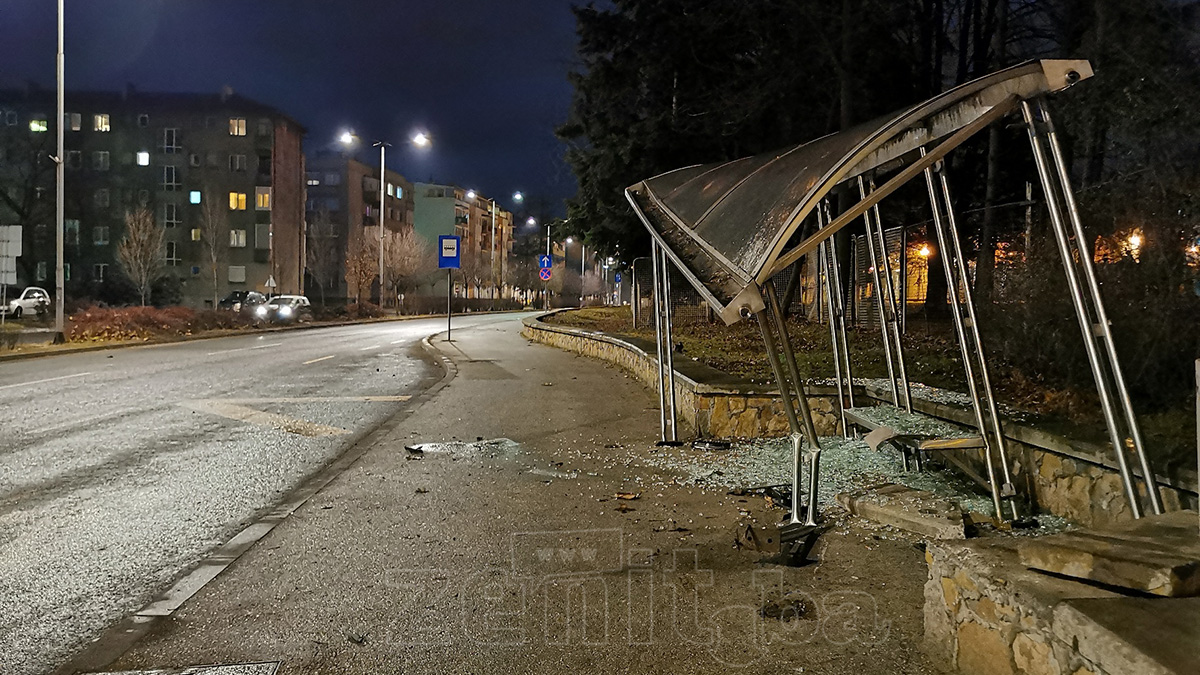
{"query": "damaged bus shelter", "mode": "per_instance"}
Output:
(729, 228)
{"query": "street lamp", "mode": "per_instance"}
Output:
(421, 140)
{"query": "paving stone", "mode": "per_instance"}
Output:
(908, 509)
(1157, 554)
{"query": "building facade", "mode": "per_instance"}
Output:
(343, 216)
(223, 176)
(448, 209)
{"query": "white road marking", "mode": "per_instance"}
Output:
(49, 379)
(369, 348)
(396, 342)
(244, 349)
(237, 409)
(323, 358)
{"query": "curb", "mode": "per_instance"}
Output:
(121, 636)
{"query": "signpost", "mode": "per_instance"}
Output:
(544, 274)
(448, 259)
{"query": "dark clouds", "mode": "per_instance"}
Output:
(486, 78)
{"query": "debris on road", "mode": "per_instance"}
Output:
(628, 495)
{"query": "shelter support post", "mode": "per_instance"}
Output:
(835, 305)
(662, 333)
(822, 285)
(971, 344)
(885, 303)
(1089, 306)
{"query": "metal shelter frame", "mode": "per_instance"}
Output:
(729, 228)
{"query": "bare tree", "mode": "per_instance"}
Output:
(362, 266)
(409, 260)
(214, 235)
(140, 252)
(322, 253)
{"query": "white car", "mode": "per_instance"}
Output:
(31, 302)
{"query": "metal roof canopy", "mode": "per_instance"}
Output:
(726, 226)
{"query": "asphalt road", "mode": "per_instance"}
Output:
(119, 469)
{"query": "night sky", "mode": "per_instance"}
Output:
(487, 79)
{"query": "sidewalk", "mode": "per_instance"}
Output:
(517, 557)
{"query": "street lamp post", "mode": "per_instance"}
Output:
(60, 175)
(421, 140)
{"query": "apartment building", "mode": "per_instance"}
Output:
(449, 209)
(343, 212)
(171, 153)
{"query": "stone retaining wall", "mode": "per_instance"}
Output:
(1073, 479)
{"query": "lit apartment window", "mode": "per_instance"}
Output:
(102, 198)
(195, 234)
(237, 162)
(66, 271)
(314, 182)
(74, 159)
(194, 196)
(100, 235)
(143, 158)
(391, 190)
(399, 192)
(71, 232)
(170, 179)
(237, 201)
(98, 271)
(74, 121)
(237, 239)
(40, 272)
(101, 123)
(171, 141)
(237, 274)
(38, 125)
(170, 215)
(143, 120)
(101, 160)
(173, 258)
(237, 126)
(262, 199)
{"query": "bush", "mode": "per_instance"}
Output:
(363, 310)
(144, 323)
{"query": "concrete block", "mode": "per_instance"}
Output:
(908, 509)
(1147, 636)
(1157, 554)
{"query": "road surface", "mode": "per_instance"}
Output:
(119, 469)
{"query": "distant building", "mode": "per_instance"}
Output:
(448, 209)
(173, 154)
(343, 217)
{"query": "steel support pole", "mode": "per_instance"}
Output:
(823, 282)
(897, 327)
(813, 455)
(1006, 488)
(883, 317)
(785, 398)
(383, 211)
(658, 342)
(1086, 325)
(449, 300)
(839, 299)
(668, 323)
(952, 282)
(1089, 275)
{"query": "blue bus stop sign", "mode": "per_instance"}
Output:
(617, 277)
(448, 252)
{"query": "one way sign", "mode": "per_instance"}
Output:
(544, 262)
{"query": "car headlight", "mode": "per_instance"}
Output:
(261, 310)
(237, 306)
(285, 311)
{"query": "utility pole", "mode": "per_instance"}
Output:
(60, 175)
(382, 209)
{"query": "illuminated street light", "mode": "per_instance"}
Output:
(470, 194)
(518, 197)
(925, 251)
(348, 138)
(1135, 241)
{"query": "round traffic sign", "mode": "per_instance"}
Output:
(544, 274)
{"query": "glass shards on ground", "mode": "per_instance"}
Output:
(846, 464)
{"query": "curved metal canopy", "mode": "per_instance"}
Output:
(726, 226)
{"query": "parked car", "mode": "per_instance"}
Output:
(285, 309)
(32, 301)
(242, 301)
